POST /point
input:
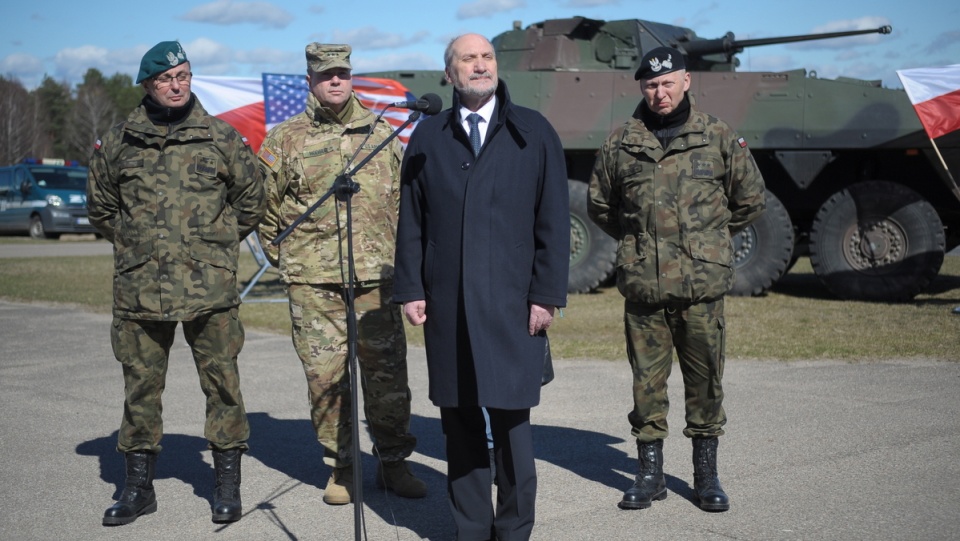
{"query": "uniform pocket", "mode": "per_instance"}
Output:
(711, 254)
(636, 277)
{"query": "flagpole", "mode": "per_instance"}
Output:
(953, 187)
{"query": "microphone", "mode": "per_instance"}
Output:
(430, 104)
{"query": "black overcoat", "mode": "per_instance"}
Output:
(479, 239)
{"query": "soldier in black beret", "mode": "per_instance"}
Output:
(673, 185)
(659, 61)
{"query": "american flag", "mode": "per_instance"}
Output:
(253, 105)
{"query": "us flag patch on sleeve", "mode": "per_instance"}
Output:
(267, 156)
(742, 142)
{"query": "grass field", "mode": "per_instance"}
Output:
(798, 319)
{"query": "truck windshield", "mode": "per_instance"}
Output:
(60, 178)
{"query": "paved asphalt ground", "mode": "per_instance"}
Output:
(814, 450)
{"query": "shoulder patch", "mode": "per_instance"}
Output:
(742, 142)
(267, 156)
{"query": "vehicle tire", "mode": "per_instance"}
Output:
(38, 232)
(763, 251)
(593, 253)
(876, 241)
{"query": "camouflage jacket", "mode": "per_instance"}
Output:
(673, 210)
(300, 159)
(175, 201)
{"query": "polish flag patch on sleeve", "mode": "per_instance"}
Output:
(742, 142)
(97, 145)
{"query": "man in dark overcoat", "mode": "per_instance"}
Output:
(482, 261)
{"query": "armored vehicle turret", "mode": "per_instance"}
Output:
(851, 178)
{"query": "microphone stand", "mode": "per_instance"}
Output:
(343, 188)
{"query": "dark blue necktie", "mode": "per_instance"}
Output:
(474, 120)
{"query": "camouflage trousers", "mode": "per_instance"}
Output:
(696, 331)
(318, 314)
(143, 349)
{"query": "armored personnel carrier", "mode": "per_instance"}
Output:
(852, 180)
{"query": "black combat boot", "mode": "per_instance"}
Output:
(649, 485)
(705, 481)
(137, 497)
(226, 496)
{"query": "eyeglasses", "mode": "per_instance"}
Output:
(167, 79)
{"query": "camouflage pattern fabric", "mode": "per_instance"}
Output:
(143, 347)
(673, 210)
(175, 201)
(319, 332)
(300, 158)
(697, 333)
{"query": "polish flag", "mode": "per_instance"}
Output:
(240, 101)
(236, 100)
(935, 95)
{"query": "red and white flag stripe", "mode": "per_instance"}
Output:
(935, 95)
(240, 102)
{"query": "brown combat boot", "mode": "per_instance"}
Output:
(397, 477)
(339, 489)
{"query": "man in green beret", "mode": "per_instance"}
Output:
(301, 157)
(175, 190)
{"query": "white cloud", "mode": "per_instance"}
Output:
(390, 62)
(487, 8)
(230, 12)
(18, 64)
(370, 37)
(72, 63)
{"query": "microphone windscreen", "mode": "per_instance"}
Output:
(435, 103)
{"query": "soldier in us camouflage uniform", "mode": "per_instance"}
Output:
(300, 159)
(175, 190)
(672, 186)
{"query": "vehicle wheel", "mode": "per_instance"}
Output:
(763, 251)
(36, 228)
(593, 253)
(876, 241)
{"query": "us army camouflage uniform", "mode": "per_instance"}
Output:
(300, 158)
(673, 212)
(176, 201)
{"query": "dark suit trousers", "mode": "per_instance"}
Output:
(468, 473)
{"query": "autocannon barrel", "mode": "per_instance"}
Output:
(729, 45)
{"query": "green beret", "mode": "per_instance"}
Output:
(321, 57)
(659, 61)
(163, 56)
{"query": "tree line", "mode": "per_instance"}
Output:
(56, 121)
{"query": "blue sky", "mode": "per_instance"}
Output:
(245, 38)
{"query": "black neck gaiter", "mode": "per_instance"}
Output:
(664, 127)
(161, 115)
